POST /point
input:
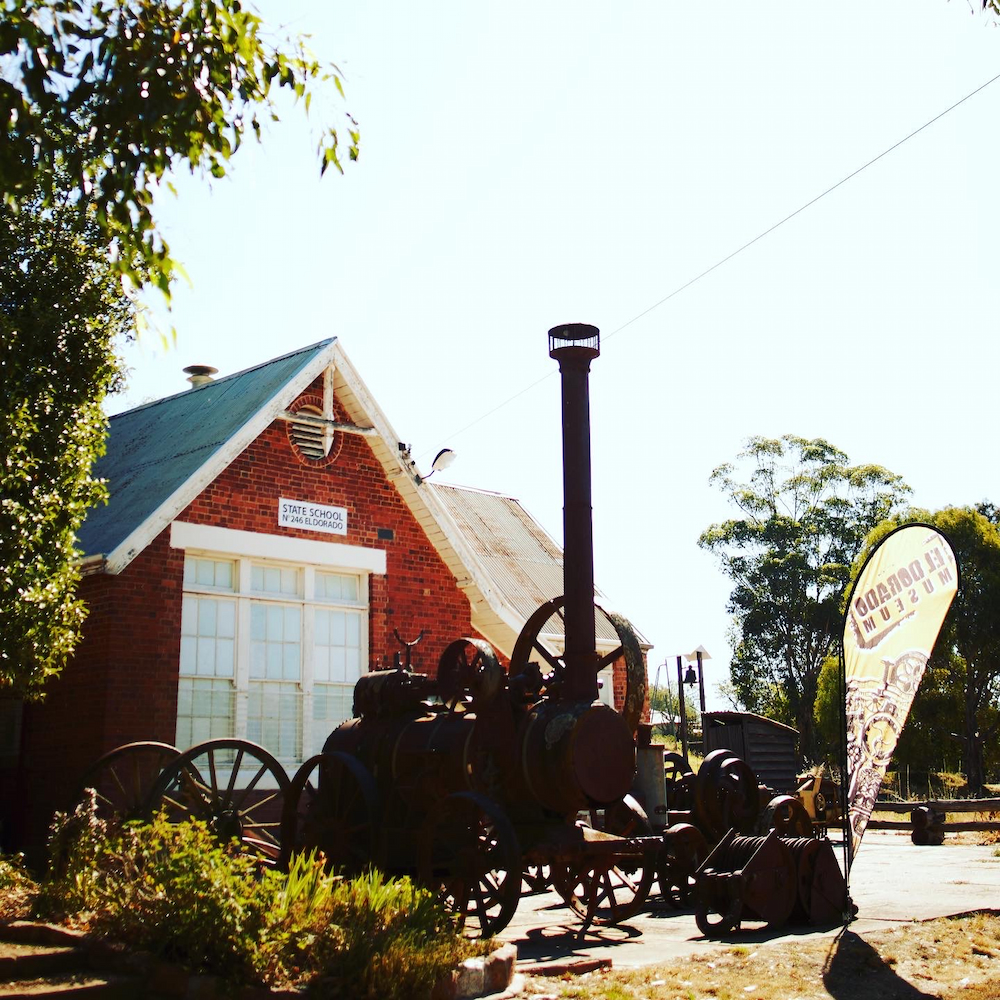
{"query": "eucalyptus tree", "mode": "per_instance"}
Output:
(102, 99)
(62, 308)
(803, 515)
(100, 102)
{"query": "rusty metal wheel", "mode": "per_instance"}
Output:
(787, 815)
(469, 852)
(234, 786)
(726, 794)
(679, 779)
(123, 779)
(609, 888)
(469, 667)
(529, 643)
(718, 920)
(331, 806)
(684, 849)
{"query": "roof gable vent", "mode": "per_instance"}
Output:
(312, 440)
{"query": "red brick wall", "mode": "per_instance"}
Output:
(121, 685)
(417, 592)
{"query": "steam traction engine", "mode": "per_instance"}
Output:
(471, 778)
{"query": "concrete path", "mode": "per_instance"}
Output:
(892, 882)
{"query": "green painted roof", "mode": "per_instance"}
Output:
(156, 448)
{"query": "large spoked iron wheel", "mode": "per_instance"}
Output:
(529, 645)
(469, 851)
(609, 888)
(331, 806)
(123, 780)
(236, 787)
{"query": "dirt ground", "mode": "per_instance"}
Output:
(945, 958)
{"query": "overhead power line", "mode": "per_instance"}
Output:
(739, 250)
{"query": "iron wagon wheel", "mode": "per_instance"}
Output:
(679, 779)
(469, 666)
(537, 878)
(468, 849)
(609, 889)
(331, 806)
(718, 918)
(787, 815)
(236, 787)
(529, 642)
(123, 779)
(685, 848)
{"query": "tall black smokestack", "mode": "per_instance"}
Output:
(574, 346)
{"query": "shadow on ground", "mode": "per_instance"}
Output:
(856, 971)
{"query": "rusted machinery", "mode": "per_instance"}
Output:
(693, 810)
(472, 777)
(468, 778)
(771, 879)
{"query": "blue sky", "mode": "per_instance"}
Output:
(529, 164)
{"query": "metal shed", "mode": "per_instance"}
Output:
(769, 747)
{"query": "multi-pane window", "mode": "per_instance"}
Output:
(268, 652)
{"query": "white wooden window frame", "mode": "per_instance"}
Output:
(247, 549)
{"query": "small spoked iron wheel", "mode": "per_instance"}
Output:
(123, 780)
(787, 815)
(469, 852)
(538, 878)
(236, 787)
(685, 848)
(609, 889)
(469, 667)
(331, 806)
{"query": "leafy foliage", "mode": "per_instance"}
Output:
(804, 515)
(176, 891)
(62, 307)
(17, 889)
(173, 890)
(100, 100)
(142, 86)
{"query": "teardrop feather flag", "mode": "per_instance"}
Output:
(894, 614)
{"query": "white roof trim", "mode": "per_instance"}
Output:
(142, 536)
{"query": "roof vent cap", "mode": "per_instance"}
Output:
(200, 374)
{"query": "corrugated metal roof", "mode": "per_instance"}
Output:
(523, 562)
(156, 448)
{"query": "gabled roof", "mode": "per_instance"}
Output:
(162, 455)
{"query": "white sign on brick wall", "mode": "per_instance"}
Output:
(312, 516)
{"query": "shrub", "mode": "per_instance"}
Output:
(175, 890)
(17, 889)
(172, 889)
(369, 936)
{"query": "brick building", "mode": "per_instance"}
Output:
(266, 534)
